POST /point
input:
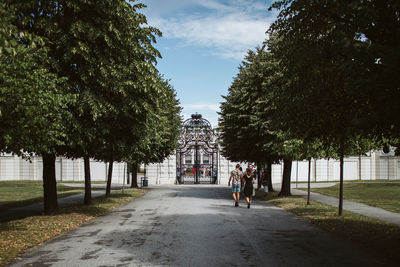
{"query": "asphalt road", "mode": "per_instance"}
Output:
(196, 226)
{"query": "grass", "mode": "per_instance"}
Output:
(82, 182)
(15, 194)
(349, 181)
(19, 235)
(382, 195)
(380, 238)
(312, 182)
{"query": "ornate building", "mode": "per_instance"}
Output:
(198, 161)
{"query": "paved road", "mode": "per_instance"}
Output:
(196, 226)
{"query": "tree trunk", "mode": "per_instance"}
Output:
(134, 176)
(128, 170)
(359, 167)
(49, 184)
(341, 179)
(88, 186)
(287, 170)
(308, 181)
(258, 175)
(268, 176)
(109, 177)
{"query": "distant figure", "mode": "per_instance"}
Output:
(248, 180)
(236, 177)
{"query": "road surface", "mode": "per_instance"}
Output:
(196, 225)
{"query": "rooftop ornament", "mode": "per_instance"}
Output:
(198, 131)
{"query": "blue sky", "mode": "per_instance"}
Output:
(203, 44)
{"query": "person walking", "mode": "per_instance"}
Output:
(248, 180)
(236, 178)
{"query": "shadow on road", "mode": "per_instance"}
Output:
(205, 239)
(199, 226)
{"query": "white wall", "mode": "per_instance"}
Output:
(7, 168)
(225, 168)
(375, 166)
(98, 171)
(163, 172)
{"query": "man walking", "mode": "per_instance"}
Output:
(236, 177)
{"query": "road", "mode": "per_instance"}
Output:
(196, 226)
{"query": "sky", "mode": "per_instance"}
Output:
(203, 44)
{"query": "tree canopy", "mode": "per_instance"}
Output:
(80, 80)
(339, 56)
(324, 86)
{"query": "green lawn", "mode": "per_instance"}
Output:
(20, 193)
(82, 182)
(385, 195)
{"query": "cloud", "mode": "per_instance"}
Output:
(163, 8)
(225, 30)
(202, 107)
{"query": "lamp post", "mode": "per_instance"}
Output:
(196, 161)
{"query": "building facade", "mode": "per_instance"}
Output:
(376, 166)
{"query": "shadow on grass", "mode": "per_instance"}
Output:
(380, 238)
(98, 206)
(5, 205)
(62, 191)
(305, 211)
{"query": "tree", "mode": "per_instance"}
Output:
(160, 137)
(248, 118)
(107, 56)
(33, 102)
(239, 125)
(110, 60)
(378, 24)
(134, 167)
(322, 53)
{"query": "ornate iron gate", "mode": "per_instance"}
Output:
(198, 151)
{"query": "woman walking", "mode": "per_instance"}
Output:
(236, 177)
(248, 180)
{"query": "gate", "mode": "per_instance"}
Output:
(198, 152)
